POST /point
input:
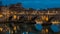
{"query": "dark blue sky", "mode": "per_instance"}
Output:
(35, 3)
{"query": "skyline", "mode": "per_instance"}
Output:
(36, 4)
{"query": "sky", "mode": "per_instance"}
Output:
(36, 4)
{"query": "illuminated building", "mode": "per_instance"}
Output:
(21, 15)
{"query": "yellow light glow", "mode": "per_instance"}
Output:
(55, 22)
(1, 29)
(1, 15)
(45, 18)
(15, 17)
(38, 21)
(14, 27)
(46, 30)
